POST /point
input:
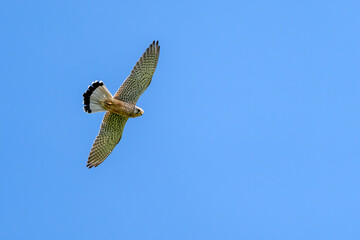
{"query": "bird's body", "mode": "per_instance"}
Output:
(120, 107)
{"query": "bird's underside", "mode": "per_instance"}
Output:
(120, 107)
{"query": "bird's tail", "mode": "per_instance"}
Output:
(95, 96)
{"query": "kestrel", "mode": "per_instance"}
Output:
(121, 107)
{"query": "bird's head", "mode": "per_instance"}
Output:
(138, 111)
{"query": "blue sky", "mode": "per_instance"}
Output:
(251, 125)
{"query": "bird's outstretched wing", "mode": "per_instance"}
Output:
(109, 136)
(141, 75)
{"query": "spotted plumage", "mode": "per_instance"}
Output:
(121, 107)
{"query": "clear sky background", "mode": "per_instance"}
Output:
(251, 125)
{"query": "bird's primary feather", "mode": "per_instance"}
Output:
(109, 136)
(140, 76)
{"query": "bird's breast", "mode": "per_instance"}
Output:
(119, 107)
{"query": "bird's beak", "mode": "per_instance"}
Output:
(141, 112)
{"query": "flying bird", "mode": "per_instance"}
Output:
(120, 107)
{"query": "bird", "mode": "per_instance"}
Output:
(120, 107)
